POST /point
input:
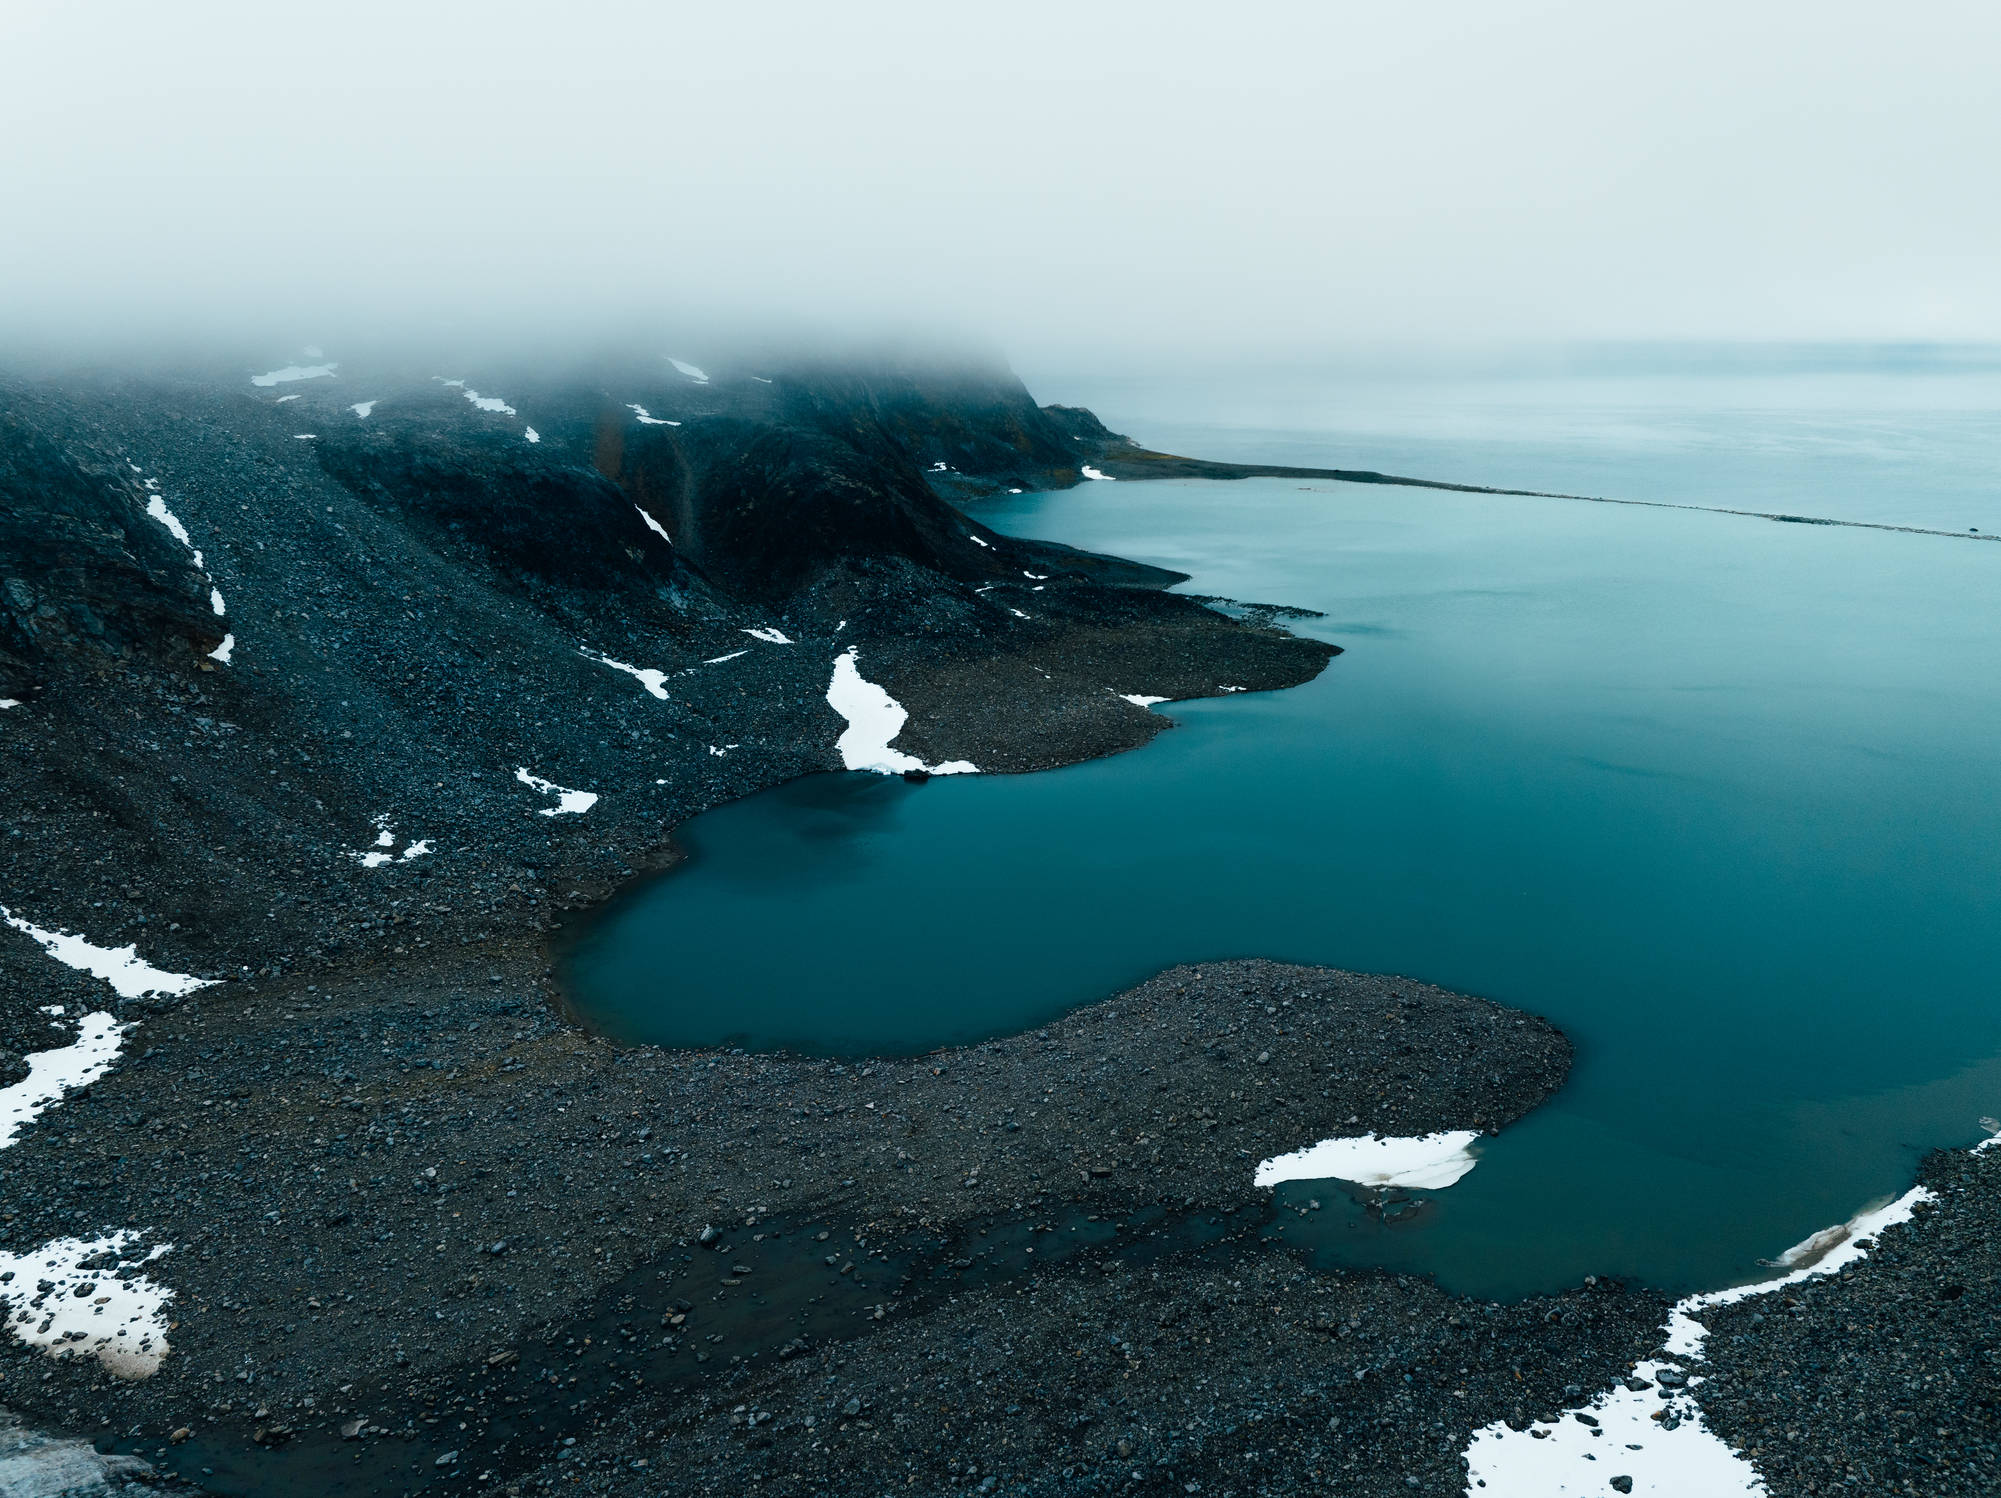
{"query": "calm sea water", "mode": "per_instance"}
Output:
(1718, 796)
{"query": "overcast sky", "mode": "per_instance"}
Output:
(1106, 183)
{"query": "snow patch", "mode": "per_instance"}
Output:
(121, 967)
(1662, 1459)
(874, 718)
(1137, 700)
(7, 702)
(978, 542)
(691, 371)
(222, 652)
(109, 1310)
(574, 803)
(385, 839)
(215, 600)
(531, 435)
(52, 1074)
(293, 372)
(483, 402)
(654, 681)
(362, 408)
(157, 508)
(1429, 1163)
(655, 526)
(1092, 473)
(283, 398)
(717, 660)
(769, 636)
(305, 436)
(648, 419)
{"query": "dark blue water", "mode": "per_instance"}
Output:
(1719, 796)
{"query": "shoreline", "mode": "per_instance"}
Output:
(391, 1167)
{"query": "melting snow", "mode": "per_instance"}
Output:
(53, 1073)
(647, 419)
(283, 398)
(1689, 1459)
(571, 802)
(362, 408)
(717, 660)
(1092, 473)
(655, 526)
(118, 1318)
(874, 718)
(121, 967)
(531, 434)
(1140, 701)
(483, 402)
(215, 599)
(222, 651)
(691, 371)
(978, 542)
(293, 372)
(769, 636)
(157, 508)
(654, 681)
(385, 839)
(305, 436)
(1430, 1163)
(7, 702)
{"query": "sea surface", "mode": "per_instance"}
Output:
(1719, 796)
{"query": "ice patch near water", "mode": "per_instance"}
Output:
(121, 967)
(55, 1073)
(1689, 1460)
(654, 681)
(1428, 1163)
(1092, 473)
(293, 372)
(1137, 700)
(119, 1318)
(568, 803)
(874, 718)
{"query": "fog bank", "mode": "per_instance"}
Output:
(1102, 184)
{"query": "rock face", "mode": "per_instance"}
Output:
(81, 564)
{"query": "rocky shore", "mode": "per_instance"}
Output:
(339, 689)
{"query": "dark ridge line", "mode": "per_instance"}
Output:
(1204, 468)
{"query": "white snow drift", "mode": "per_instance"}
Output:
(691, 371)
(385, 842)
(293, 372)
(1092, 473)
(121, 967)
(53, 1074)
(648, 419)
(1139, 700)
(874, 718)
(1569, 1456)
(769, 636)
(1429, 1163)
(655, 526)
(109, 1311)
(574, 803)
(654, 681)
